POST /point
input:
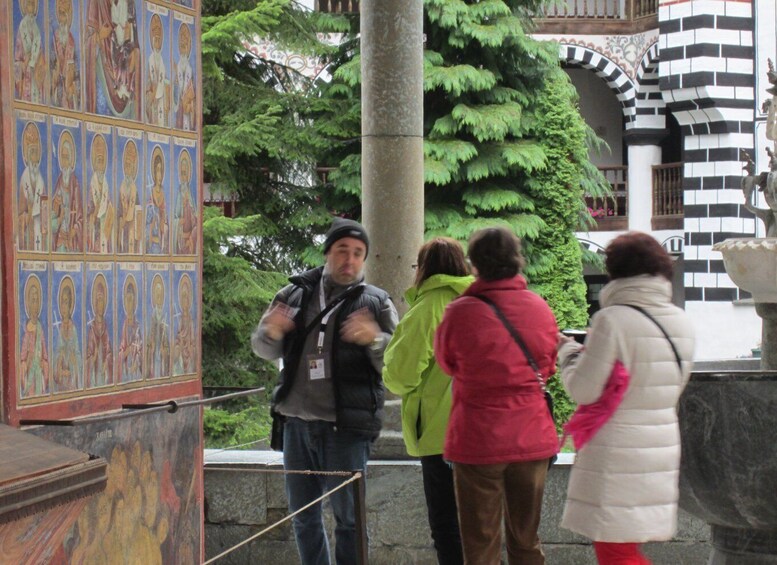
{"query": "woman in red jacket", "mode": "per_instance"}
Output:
(500, 434)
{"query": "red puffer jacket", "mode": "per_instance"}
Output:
(499, 413)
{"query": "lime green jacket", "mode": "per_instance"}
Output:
(410, 370)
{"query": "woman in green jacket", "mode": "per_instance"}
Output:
(411, 372)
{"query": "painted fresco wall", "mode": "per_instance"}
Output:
(100, 196)
(149, 512)
(102, 102)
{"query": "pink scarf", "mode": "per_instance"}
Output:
(589, 418)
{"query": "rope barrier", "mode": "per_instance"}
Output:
(355, 477)
(282, 471)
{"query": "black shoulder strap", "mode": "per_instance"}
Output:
(516, 336)
(353, 291)
(663, 331)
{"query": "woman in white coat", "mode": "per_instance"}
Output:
(623, 488)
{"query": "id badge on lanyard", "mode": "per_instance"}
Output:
(316, 361)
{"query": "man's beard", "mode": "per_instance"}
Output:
(100, 176)
(35, 170)
(66, 175)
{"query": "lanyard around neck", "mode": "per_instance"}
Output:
(334, 305)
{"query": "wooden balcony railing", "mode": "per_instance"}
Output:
(667, 196)
(337, 6)
(611, 213)
(601, 9)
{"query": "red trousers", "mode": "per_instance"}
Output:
(619, 554)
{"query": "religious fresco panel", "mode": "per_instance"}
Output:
(157, 320)
(67, 327)
(100, 208)
(185, 3)
(67, 198)
(100, 335)
(33, 340)
(32, 181)
(185, 107)
(185, 330)
(149, 512)
(186, 209)
(112, 68)
(129, 308)
(157, 86)
(129, 199)
(65, 54)
(30, 75)
(157, 194)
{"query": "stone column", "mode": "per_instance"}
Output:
(392, 140)
(644, 152)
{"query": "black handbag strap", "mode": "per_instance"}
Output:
(663, 331)
(516, 336)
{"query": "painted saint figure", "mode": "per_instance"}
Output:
(100, 211)
(184, 349)
(129, 203)
(158, 334)
(99, 353)
(32, 193)
(185, 214)
(29, 57)
(67, 362)
(33, 360)
(65, 71)
(157, 84)
(131, 344)
(157, 227)
(66, 207)
(183, 88)
(112, 57)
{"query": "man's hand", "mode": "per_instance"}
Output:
(279, 321)
(360, 328)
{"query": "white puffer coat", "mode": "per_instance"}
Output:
(624, 483)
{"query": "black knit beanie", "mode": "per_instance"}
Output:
(342, 227)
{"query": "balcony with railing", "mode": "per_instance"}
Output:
(598, 16)
(667, 196)
(337, 6)
(611, 213)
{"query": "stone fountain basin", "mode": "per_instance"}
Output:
(728, 426)
(752, 265)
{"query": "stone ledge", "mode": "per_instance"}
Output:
(396, 515)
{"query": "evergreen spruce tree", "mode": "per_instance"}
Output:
(504, 143)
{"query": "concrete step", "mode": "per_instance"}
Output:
(392, 415)
(389, 446)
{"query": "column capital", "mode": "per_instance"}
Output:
(645, 136)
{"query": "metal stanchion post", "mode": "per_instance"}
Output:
(360, 514)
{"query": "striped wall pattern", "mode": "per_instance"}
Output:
(706, 79)
(650, 110)
(618, 81)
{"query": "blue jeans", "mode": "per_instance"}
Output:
(317, 446)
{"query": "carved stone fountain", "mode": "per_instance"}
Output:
(729, 419)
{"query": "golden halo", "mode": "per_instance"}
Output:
(30, 137)
(185, 284)
(158, 283)
(130, 284)
(157, 154)
(184, 40)
(99, 147)
(32, 282)
(66, 138)
(99, 281)
(67, 282)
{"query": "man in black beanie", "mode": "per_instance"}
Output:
(331, 329)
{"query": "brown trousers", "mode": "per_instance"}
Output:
(486, 493)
